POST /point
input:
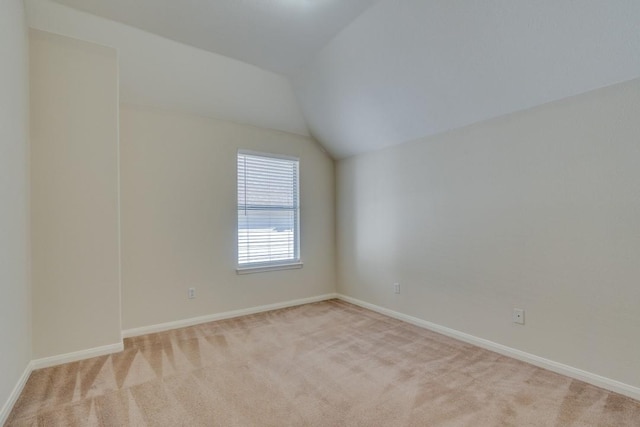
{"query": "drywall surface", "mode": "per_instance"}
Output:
(277, 35)
(15, 296)
(179, 201)
(407, 69)
(160, 72)
(74, 195)
(538, 210)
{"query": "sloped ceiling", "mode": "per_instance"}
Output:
(155, 71)
(277, 35)
(406, 69)
(399, 69)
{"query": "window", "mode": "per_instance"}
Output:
(268, 212)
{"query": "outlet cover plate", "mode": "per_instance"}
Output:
(518, 316)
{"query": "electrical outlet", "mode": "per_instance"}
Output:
(518, 316)
(396, 288)
(192, 293)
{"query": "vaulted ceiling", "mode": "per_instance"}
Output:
(373, 73)
(277, 35)
(407, 69)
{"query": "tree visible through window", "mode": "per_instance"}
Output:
(268, 211)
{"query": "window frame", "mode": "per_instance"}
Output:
(288, 264)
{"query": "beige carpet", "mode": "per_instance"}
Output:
(323, 364)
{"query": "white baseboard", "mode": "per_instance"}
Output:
(77, 355)
(15, 393)
(161, 327)
(560, 368)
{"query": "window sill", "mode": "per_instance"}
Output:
(272, 267)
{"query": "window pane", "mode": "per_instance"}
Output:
(267, 210)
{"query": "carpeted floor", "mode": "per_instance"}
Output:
(323, 364)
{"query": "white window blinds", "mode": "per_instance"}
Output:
(268, 210)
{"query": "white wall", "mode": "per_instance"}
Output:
(15, 296)
(178, 175)
(160, 72)
(74, 195)
(538, 210)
